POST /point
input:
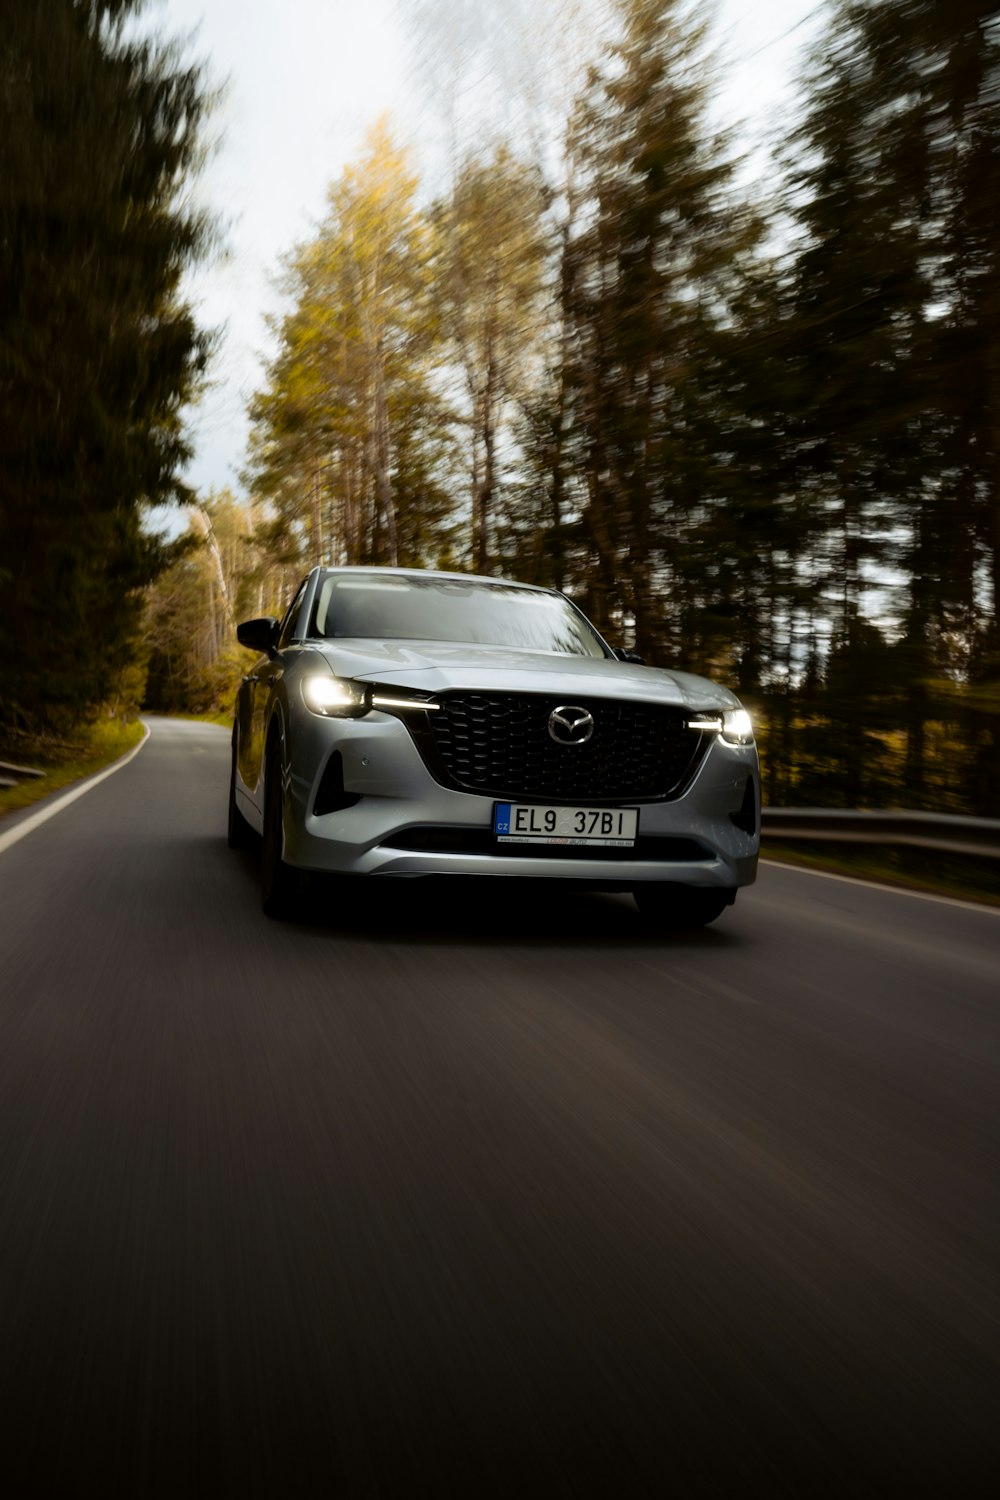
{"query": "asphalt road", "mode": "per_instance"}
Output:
(464, 1190)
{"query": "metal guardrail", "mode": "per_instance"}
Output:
(946, 832)
(942, 831)
(10, 774)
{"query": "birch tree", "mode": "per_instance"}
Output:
(351, 399)
(491, 284)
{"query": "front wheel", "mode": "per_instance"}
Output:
(277, 878)
(680, 908)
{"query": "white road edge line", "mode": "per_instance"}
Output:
(45, 813)
(873, 885)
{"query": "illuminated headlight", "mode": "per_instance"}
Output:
(336, 697)
(737, 728)
(734, 725)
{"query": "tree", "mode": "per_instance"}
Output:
(496, 71)
(894, 332)
(350, 427)
(98, 353)
(652, 268)
(490, 279)
(221, 574)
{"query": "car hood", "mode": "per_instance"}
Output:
(440, 666)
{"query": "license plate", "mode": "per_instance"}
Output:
(522, 823)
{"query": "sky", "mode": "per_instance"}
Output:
(301, 83)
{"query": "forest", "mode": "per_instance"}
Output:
(752, 429)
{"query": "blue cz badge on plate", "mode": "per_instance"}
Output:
(501, 818)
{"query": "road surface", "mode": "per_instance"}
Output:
(477, 1190)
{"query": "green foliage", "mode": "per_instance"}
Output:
(653, 261)
(892, 326)
(64, 761)
(778, 468)
(221, 573)
(350, 428)
(489, 283)
(97, 352)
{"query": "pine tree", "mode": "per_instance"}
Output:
(895, 329)
(98, 354)
(649, 283)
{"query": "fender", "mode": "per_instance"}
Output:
(276, 725)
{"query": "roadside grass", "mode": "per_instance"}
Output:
(965, 878)
(65, 761)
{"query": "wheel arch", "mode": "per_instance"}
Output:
(276, 733)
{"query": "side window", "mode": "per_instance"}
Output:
(288, 624)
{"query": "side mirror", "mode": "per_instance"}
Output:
(259, 635)
(632, 656)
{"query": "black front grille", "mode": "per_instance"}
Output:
(498, 744)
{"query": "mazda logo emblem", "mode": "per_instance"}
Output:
(570, 725)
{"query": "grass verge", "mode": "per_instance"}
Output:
(66, 761)
(965, 878)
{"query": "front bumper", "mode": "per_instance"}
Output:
(398, 797)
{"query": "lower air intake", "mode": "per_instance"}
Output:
(330, 794)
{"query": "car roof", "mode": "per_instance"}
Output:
(435, 573)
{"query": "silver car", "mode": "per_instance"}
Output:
(400, 722)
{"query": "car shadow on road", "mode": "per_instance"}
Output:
(483, 910)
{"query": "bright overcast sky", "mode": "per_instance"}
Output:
(304, 80)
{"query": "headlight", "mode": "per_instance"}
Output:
(336, 697)
(737, 728)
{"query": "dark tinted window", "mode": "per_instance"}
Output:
(393, 607)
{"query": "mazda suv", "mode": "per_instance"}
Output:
(404, 723)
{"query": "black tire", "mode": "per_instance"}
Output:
(239, 834)
(277, 880)
(680, 908)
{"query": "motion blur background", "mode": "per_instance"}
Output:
(692, 313)
(483, 1192)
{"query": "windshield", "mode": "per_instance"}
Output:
(411, 608)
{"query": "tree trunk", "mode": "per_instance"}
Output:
(317, 516)
(203, 523)
(487, 485)
(386, 503)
